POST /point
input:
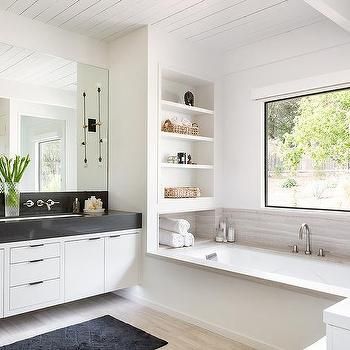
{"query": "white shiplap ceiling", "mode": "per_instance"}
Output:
(217, 24)
(35, 68)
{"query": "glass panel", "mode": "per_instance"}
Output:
(50, 166)
(308, 151)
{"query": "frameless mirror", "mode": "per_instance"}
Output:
(56, 111)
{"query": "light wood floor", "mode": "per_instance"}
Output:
(179, 334)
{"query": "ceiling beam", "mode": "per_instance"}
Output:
(337, 11)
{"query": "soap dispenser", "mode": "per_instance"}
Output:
(76, 206)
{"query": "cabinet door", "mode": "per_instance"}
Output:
(84, 268)
(1, 283)
(122, 261)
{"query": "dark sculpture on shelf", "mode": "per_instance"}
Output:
(189, 98)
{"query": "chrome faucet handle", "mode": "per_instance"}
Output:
(29, 203)
(294, 248)
(50, 202)
(322, 252)
(40, 202)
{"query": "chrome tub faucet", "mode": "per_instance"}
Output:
(305, 229)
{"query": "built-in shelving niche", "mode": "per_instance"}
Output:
(173, 86)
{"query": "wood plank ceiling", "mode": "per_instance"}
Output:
(35, 68)
(216, 24)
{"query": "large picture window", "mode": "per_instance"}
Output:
(307, 151)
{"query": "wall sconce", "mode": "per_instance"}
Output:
(91, 125)
(85, 126)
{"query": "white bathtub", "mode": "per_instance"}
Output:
(307, 272)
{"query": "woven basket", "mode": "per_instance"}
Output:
(168, 126)
(182, 192)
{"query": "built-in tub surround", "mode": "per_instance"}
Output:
(278, 229)
(264, 248)
(316, 274)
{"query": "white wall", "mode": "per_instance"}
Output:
(37, 93)
(313, 51)
(4, 125)
(128, 121)
(268, 317)
(24, 32)
(36, 129)
(68, 115)
(93, 174)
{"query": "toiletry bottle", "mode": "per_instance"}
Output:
(231, 234)
(219, 235)
(76, 206)
(223, 227)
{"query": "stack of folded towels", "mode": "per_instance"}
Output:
(174, 233)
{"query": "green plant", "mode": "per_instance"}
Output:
(12, 169)
(11, 173)
(289, 183)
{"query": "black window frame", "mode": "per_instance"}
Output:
(266, 167)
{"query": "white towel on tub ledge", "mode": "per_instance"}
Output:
(171, 239)
(174, 225)
(189, 239)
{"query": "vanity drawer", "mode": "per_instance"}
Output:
(35, 252)
(34, 271)
(34, 294)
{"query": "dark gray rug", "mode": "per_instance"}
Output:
(103, 333)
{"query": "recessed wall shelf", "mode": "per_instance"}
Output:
(198, 211)
(187, 166)
(184, 205)
(185, 109)
(186, 137)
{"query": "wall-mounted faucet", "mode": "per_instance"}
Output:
(49, 203)
(304, 228)
(29, 203)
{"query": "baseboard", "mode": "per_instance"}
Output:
(258, 345)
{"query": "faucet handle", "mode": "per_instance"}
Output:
(51, 202)
(322, 252)
(29, 203)
(40, 202)
(294, 248)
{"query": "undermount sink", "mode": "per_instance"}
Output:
(23, 218)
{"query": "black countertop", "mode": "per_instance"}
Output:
(32, 229)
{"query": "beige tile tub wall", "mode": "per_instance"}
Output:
(279, 228)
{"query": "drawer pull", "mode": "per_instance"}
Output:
(94, 239)
(35, 283)
(35, 261)
(115, 236)
(36, 245)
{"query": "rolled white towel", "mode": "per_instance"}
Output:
(171, 239)
(189, 239)
(174, 225)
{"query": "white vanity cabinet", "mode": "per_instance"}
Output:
(122, 261)
(1, 283)
(42, 273)
(84, 268)
(33, 277)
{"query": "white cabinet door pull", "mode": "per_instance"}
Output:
(35, 261)
(94, 239)
(116, 236)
